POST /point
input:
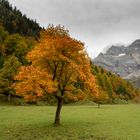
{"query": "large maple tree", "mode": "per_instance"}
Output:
(58, 61)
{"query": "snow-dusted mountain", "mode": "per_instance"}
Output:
(122, 60)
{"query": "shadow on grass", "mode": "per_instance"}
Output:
(43, 131)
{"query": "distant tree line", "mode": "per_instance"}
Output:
(112, 87)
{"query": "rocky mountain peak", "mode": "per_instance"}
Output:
(122, 60)
(115, 50)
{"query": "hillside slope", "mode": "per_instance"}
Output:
(15, 22)
(112, 87)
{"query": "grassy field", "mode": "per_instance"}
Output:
(110, 122)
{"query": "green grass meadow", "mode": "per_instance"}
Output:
(110, 122)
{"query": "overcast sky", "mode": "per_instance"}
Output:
(98, 23)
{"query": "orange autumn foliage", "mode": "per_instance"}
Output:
(60, 59)
(33, 83)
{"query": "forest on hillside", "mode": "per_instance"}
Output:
(16, 22)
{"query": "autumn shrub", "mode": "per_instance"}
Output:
(136, 100)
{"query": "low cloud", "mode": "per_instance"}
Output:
(97, 23)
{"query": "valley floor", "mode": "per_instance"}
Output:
(110, 122)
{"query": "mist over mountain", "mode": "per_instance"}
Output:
(122, 60)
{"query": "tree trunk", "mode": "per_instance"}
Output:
(9, 97)
(57, 115)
